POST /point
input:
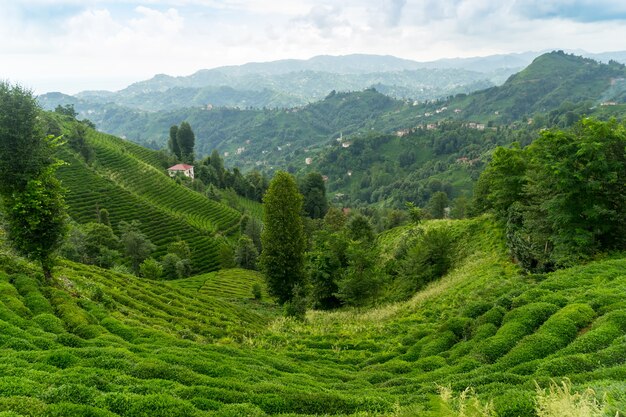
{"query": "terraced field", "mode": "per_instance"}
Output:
(104, 344)
(125, 181)
(155, 186)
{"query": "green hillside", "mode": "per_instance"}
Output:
(131, 183)
(104, 344)
(552, 82)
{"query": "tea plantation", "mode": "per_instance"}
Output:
(131, 183)
(100, 343)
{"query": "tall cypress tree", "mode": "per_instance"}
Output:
(173, 142)
(186, 141)
(314, 192)
(283, 240)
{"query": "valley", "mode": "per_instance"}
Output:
(455, 254)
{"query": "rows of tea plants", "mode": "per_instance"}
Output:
(485, 326)
(155, 186)
(88, 192)
(104, 344)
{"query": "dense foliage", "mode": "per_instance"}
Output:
(32, 197)
(283, 240)
(563, 198)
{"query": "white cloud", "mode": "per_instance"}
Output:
(62, 43)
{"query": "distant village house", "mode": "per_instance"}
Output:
(186, 170)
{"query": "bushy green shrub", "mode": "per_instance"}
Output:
(595, 339)
(70, 393)
(76, 410)
(475, 309)
(61, 359)
(566, 365)
(12, 386)
(460, 326)
(493, 316)
(535, 346)
(237, 410)
(117, 328)
(151, 369)
(484, 331)
(26, 406)
(70, 340)
(430, 363)
(440, 342)
(515, 403)
(530, 315)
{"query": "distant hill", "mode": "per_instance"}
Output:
(556, 89)
(551, 81)
(289, 83)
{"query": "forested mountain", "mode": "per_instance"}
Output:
(375, 149)
(290, 83)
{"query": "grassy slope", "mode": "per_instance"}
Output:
(102, 343)
(129, 182)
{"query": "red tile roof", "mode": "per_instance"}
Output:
(180, 167)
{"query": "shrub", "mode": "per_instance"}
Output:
(430, 363)
(61, 359)
(117, 328)
(566, 365)
(515, 403)
(440, 342)
(49, 323)
(476, 308)
(460, 326)
(484, 331)
(535, 346)
(70, 340)
(76, 410)
(493, 316)
(237, 410)
(27, 406)
(595, 339)
(151, 269)
(70, 393)
(256, 291)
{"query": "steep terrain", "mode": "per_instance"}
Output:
(131, 183)
(104, 344)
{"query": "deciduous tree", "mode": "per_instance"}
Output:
(31, 195)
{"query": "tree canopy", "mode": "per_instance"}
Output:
(563, 198)
(32, 197)
(283, 239)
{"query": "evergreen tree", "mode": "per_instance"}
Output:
(31, 195)
(218, 165)
(173, 142)
(283, 240)
(136, 245)
(437, 205)
(186, 140)
(103, 217)
(360, 228)
(314, 192)
(246, 253)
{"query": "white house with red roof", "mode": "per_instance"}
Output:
(186, 170)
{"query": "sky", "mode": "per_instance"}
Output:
(75, 45)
